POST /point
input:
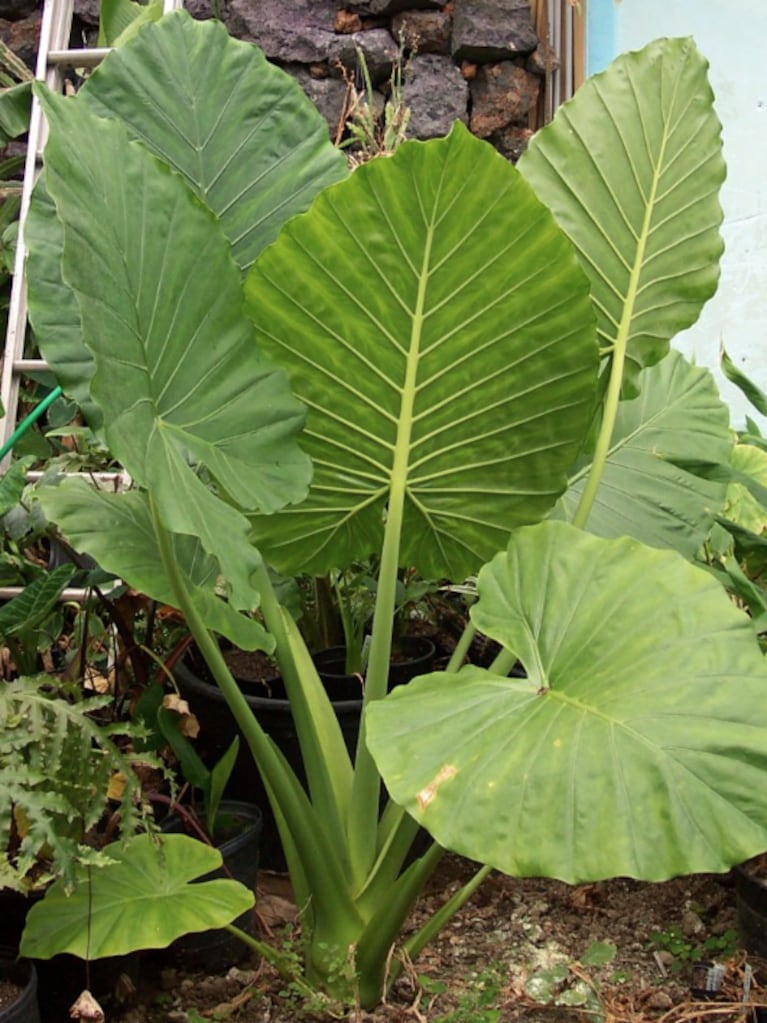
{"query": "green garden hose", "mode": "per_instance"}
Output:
(33, 416)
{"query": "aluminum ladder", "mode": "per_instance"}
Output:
(53, 57)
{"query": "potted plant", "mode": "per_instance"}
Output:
(76, 784)
(64, 776)
(232, 826)
(475, 349)
(18, 989)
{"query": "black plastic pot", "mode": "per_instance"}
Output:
(217, 727)
(413, 655)
(61, 978)
(241, 827)
(21, 973)
(751, 907)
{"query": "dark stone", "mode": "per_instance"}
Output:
(437, 94)
(87, 11)
(15, 10)
(501, 94)
(301, 31)
(203, 10)
(23, 37)
(543, 60)
(511, 141)
(376, 7)
(378, 48)
(423, 31)
(490, 30)
(327, 94)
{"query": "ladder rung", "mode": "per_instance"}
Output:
(71, 593)
(77, 58)
(103, 480)
(30, 365)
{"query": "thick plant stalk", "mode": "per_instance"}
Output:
(323, 871)
(327, 765)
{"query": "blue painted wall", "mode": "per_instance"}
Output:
(733, 38)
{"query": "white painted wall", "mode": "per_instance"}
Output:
(733, 37)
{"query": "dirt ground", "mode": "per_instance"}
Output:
(522, 951)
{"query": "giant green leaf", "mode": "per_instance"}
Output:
(146, 898)
(644, 493)
(435, 322)
(637, 744)
(240, 132)
(178, 376)
(631, 168)
(117, 530)
(53, 309)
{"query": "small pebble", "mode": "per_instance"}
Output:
(691, 924)
(168, 979)
(659, 1000)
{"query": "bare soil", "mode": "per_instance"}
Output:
(522, 951)
(9, 992)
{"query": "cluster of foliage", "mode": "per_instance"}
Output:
(61, 772)
(449, 363)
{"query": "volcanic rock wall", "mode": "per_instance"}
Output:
(478, 61)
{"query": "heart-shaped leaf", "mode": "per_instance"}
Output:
(436, 323)
(117, 530)
(637, 744)
(177, 369)
(631, 168)
(146, 898)
(239, 130)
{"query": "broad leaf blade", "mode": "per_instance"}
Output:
(644, 493)
(436, 324)
(53, 309)
(12, 484)
(119, 20)
(145, 899)
(178, 377)
(15, 108)
(34, 603)
(240, 131)
(117, 530)
(631, 168)
(637, 746)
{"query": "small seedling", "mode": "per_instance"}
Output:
(477, 1003)
(686, 951)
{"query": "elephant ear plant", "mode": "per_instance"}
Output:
(464, 337)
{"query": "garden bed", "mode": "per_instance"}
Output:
(606, 944)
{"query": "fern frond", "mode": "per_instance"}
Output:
(56, 764)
